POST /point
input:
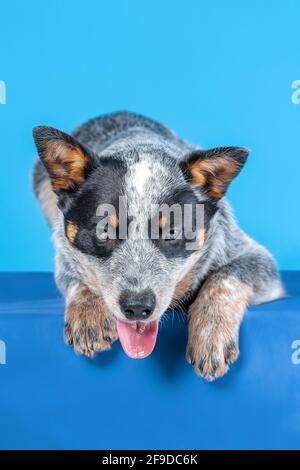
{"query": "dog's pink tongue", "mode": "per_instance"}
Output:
(138, 339)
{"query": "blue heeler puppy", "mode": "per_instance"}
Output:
(118, 286)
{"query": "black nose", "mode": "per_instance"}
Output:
(137, 306)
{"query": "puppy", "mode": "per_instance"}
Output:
(118, 285)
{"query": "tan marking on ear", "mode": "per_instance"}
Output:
(66, 165)
(72, 230)
(214, 175)
(197, 177)
(113, 220)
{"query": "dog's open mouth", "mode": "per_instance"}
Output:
(137, 339)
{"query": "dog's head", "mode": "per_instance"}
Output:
(136, 220)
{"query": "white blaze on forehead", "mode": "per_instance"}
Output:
(140, 174)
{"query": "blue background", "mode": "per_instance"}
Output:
(52, 399)
(218, 73)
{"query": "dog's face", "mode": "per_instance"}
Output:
(131, 219)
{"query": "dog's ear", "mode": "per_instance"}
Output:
(65, 159)
(214, 169)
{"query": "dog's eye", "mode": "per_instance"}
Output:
(102, 236)
(171, 235)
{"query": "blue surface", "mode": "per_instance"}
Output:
(218, 73)
(50, 398)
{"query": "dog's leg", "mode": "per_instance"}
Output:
(216, 314)
(89, 327)
(214, 320)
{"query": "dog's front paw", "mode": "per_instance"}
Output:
(88, 326)
(212, 356)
